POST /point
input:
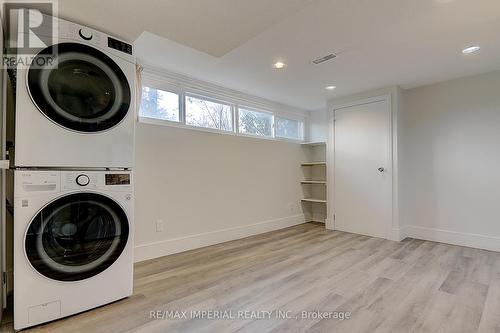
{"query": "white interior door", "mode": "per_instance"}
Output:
(362, 170)
(4, 164)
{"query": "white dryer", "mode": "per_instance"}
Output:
(77, 110)
(73, 242)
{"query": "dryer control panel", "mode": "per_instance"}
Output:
(69, 31)
(119, 45)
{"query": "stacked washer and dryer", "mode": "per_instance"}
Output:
(72, 158)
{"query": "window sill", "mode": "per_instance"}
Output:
(160, 122)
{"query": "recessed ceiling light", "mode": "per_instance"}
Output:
(471, 49)
(330, 87)
(279, 65)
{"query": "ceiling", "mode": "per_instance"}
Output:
(234, 42)
(212, 26)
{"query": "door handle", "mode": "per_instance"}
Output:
(381, 169)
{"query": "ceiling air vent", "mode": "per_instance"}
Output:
(325, 58)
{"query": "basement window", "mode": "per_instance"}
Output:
(173, 100)
(289, 128)
(159, 104)
(255, 122)
(202, 112)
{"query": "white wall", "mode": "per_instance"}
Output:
(448, 174)
(209, 188)
(454, 130)
(406, 166)
(449, 160)
(318, 126)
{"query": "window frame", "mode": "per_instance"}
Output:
(232, 107)
(249, 108)
(167, 88)
(301, 122)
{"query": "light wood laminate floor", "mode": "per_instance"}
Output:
(412, 286)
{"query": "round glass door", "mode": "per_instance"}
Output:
(76, 236)
(81, 89)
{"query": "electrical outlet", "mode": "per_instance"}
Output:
(159, 225)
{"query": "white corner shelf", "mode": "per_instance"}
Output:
(314, 182)
(313, 164)
(314, 200)
(312, 144)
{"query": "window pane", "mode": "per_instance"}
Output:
(289, 128)
(256, 123)
(203, 113)
(159, 104)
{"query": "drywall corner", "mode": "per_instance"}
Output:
(318, 126)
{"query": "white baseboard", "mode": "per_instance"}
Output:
(453, 237)
(398, 234)
(329, 223)
(176, 245)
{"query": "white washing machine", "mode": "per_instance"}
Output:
(77, 110)
(73, 242)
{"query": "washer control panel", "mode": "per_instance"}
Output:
(82, 180)
(92, 180)
(35, 183)
(78, 179)
(39, 182)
